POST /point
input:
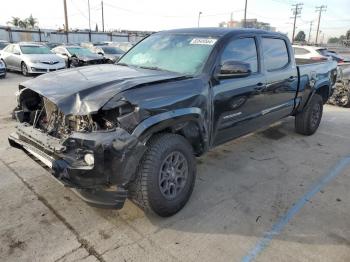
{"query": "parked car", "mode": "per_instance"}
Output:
(75, 56)
(313, 53)
(110, 53)
(125, 46)
(332, 54)
(133, 129)
(2, 69)
(3, 44)
(31, 58)
(52, 45)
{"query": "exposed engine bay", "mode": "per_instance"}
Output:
(46, 116)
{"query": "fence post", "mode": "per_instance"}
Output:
(10, 34)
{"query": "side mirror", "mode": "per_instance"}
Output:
(100, 53)
(17, 53)
(234, 69)
(65, 54)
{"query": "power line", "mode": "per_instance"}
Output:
(296, 12)
(319, 9)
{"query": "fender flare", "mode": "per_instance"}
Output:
(164, 120)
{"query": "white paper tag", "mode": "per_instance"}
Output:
(203, 41)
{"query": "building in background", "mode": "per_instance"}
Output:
(250, 23)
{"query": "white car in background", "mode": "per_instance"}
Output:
(31, 58)
(315, 53)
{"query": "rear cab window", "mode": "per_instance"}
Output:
(275, 53)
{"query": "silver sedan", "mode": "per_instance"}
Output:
(31, 58)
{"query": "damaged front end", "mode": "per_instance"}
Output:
(93, 154)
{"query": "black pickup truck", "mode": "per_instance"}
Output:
(133, 129)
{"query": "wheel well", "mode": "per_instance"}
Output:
(189, 130)
(323, 91)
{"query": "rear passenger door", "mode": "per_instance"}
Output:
(281, 78)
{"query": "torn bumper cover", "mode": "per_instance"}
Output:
(100, 182)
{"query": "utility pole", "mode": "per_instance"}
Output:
(309, 38)
(199, 17)
(89, 21)
(103, 18)
(230, 24)
(245, 13)
(65, 18)
(296, 12)
(319, 9)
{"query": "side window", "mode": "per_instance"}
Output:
(242, 50)
(300, 51)
(275, 53)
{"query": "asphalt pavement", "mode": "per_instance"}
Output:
(270, 196)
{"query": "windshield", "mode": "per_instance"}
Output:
(185, 54)
(79, 51)
(112, 50)
(35, 49)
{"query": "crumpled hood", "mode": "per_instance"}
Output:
(84, 90)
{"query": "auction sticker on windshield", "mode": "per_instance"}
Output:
(203, 41)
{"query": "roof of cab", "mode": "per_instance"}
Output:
(219, 31)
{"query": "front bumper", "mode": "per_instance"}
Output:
(116, 153)
(40, 68)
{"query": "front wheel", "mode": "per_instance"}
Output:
(24, 69)
(166, 175)
(307, 122)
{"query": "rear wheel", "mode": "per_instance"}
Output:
(24, 69)
(3, 76)
(165, 176)
(307, 122)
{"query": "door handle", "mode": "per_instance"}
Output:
(259, 87)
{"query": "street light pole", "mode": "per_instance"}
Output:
(103, 18)
(65, 19)
(199, 17)
(245, 13)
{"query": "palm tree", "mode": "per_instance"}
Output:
(23, 23)
(31, 21)
(15, 21)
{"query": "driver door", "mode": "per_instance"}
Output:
(238, 101)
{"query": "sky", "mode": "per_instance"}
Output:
(156, 15)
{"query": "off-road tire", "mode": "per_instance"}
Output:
(307, 122)
(145, 190)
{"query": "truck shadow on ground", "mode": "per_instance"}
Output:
(245, 186)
